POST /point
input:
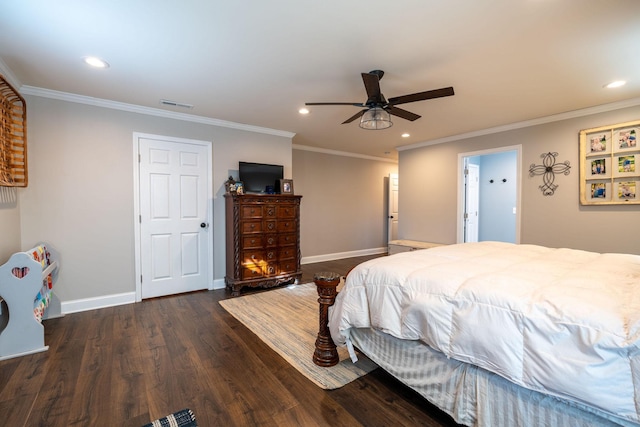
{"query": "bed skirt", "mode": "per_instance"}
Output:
(471, 395)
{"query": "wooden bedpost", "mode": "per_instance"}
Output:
(326, 353)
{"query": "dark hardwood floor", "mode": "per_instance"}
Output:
(128, 365)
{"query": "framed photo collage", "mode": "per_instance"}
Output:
(610, 165)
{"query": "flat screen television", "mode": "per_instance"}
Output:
(256, 177)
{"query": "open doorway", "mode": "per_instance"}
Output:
(489, 195)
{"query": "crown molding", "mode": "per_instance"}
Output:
(105, 103)
(633, 102)
(9, 76)
(341, 153)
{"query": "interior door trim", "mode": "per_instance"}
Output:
(136, 202)
(461, 190)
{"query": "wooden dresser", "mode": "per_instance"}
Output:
(262, 240)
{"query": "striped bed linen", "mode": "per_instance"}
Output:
(472, 395)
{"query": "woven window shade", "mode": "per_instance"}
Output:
(13, 137)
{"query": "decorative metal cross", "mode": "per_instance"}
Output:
(548, 169)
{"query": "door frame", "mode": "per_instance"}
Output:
(465, 235)
(389, 204)
(136, 203)
(461, 186)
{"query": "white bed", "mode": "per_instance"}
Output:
(514, 334)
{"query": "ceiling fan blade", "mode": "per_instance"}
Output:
(372, 85)
(408, 115)
(422, 96)
(355, 116)
(355, 104)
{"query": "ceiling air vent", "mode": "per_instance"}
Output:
(175, 104)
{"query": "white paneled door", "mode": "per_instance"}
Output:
(472, 203)
(174, 217)
(393, 207)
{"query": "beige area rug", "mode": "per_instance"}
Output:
(287, 320)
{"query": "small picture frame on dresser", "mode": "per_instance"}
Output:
(286, 186)
(239, 188)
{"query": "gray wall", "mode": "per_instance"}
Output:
(344, 205)
(429, 189)
(9, 223)
(80, 196)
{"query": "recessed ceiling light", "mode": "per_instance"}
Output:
(96, 62)
(617, 83)
(303, 111)
(405, 135)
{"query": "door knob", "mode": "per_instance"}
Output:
(204, 225)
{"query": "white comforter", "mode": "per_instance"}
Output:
(561, 321)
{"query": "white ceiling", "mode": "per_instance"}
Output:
(257, 62)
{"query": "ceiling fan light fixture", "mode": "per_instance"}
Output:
(376, 118)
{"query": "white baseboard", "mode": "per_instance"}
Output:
(218, 284)
(342, 255)
(79, 305)
(85, 304)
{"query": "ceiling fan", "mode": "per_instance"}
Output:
(377, 108)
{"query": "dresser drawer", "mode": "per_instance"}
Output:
(271, 226)
(288, 252)
(270, 269)
(252, 257)
(271, 255)
(251, 271)
(251, 227)
(286, 225)
(288, 266)
(287, 239)
(271, 240)
(253, 241)
(253, 211)
(270, 211)
(287, 211)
